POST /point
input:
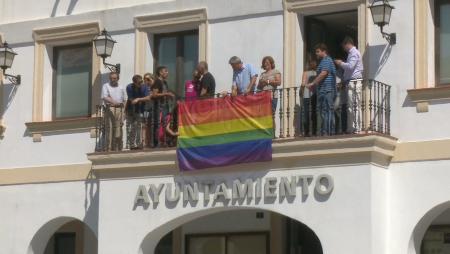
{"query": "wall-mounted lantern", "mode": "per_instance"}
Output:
(381, 13)
(104, 45)
(6, 60)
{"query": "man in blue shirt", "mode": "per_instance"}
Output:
(244, 77)
(135, 111)
(326, 88)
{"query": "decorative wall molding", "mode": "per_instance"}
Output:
(421, 43)
(169, 22)
(423, 96)
(64, 33)
(45, 174)
(37, 129)
(56, 36)
(169, 19)
(309, 7)
(2, 124)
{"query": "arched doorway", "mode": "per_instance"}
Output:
(432, 233)
(437, 237)
(235, 231)
(64, 235)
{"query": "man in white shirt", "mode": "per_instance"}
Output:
(353, 70)
(113, 97)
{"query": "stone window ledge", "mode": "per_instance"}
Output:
(37, 129)
(422, 96)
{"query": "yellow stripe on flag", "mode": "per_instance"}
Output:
(224, 127)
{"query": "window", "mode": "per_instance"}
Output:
(442, 38)
(165, 244)
(64, 243)
(331, 29)
(436, 240)
(72, 76)
(238, 243)
(179, 52)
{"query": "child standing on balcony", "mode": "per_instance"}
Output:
(309, 98)
(168, 133)
(191, 89)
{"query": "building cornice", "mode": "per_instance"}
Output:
(289, 153)
(309, 7)
(423, 96)
(63, 33)
(37, 129)
(159, 20)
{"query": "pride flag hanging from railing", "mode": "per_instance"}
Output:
(225, 131)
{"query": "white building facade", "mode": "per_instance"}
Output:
(382, 191)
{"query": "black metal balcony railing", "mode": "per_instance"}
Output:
(367, 105)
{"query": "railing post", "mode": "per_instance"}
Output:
(281, 115)
(296, 123)
(288, 114)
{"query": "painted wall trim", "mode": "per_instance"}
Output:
(45, 174)
(341, 151)
(159, 20)
(421, 43)
(423, 96)
(58, 36)
(422, 151)
(63, 33)
(36, 129)
(169, 22)
(310, 7)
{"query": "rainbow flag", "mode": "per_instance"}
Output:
(225, 131)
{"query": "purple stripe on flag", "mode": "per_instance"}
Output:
(225, 154)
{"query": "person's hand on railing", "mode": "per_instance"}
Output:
(169, 95)
(310, 85)
(135, 101)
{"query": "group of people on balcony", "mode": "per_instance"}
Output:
(326, 87)
(148, 105)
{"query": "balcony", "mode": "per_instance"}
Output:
(364, 137)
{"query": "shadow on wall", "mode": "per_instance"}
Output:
(70, 9)
(378, 56)
(91, 202)
(9, 92)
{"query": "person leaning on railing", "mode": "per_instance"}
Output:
(113, 97)
(135, 111)
(270, 79)
(244, 77)
(149, 80)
